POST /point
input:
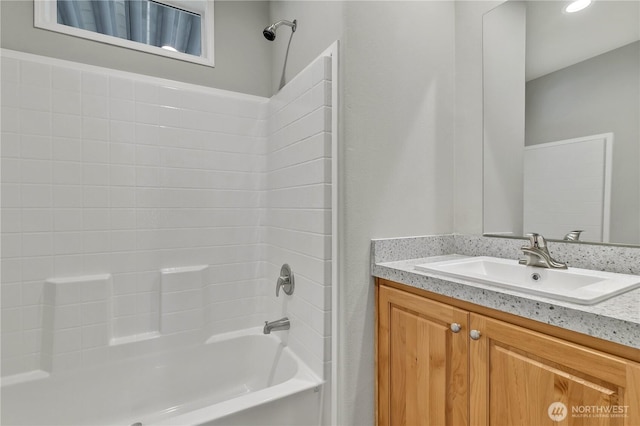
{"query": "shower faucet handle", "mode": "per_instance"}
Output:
(285, 280)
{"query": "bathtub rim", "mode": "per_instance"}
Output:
(304, 380)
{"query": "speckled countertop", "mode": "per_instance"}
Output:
(616, 319)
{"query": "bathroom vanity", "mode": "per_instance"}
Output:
(457, 353)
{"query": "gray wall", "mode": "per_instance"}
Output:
(396, 148)
(468, 115)
(242, 55)
(504, 42)
(397, 156)
(320, 23)
(595, 96)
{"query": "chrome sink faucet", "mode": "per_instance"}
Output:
(537, 254)
(281, 324)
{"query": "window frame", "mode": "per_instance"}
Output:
(46, 17)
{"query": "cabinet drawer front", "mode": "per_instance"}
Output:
(422, 363)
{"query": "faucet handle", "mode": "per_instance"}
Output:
(573, 235)
(536, 240)
(286, 281)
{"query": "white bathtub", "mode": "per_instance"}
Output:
(243, 378)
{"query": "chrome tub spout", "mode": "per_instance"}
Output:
(281, 324)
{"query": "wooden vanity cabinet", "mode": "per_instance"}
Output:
(517, 374)
(423, 368)
(491, 372)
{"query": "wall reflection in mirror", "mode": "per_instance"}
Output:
(562, 121)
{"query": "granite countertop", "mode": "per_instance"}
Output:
(616, 319)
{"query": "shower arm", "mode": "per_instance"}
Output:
(278, 24)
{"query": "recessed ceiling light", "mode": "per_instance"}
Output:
(173, 49)
(577, 6)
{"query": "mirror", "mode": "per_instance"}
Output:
(562, 121)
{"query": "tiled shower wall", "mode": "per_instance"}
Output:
(298, 213)
(146, 183)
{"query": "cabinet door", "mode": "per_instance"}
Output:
(422, 363)
(521, 377)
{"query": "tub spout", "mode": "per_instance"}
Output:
(281, 324)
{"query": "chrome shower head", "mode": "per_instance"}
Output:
(270, 31)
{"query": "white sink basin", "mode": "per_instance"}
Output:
(575, 285)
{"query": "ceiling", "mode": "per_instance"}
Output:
(556, 39)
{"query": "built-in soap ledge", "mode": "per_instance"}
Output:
(182, 298)
(76, 317)
(133, 338)
(29, 376)
(79, 318)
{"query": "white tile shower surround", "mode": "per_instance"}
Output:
(122, 176)
(297, 222)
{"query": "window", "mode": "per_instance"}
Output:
(177, 29)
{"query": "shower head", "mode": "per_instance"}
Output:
(270, 31)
